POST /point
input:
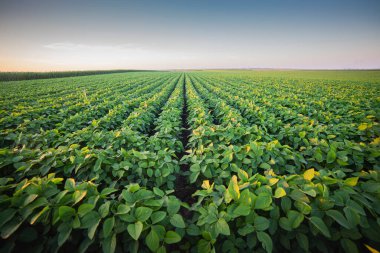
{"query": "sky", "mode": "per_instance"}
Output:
(50, 35)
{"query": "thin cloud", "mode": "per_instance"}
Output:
(68, 46)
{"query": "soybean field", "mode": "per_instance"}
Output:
(193, 161)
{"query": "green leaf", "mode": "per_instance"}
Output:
(177, 221)
(222, 227)
(35, 217)
(353, 181)
(158, 192)
(261, 223)
(152, 240)
(157, 216)
(339, 217)
(331, 156)
(194, 176)
(64, 235)
(7, 215)
(279, 193)
(78, 196)
(173, 206)
(266, 241)
(172, 237)
(85, 208)
(70, 184)
(123, 209)
(84, 245)
(161, 249)
(9, 228)
(303, 241)
(233, 188)
(242, 210)
(98, 164)
(320, 225)
(243, 175)
(104, 209)
(135, 230)
(263, 201)
(143, 213)
(265, 166)
(91, 230)
(299, 196)
(66, 213)
(109, 244)
(107, 191)
(108, 226)
(133, 187)
(295, 218)
(203, 246)
(349, 246)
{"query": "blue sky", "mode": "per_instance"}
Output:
(146, 34)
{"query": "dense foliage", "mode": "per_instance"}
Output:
(189, 162)
(17, 76)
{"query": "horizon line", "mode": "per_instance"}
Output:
(179, 69)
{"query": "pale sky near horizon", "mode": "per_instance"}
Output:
(44, 35)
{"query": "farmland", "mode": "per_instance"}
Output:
(202, 161)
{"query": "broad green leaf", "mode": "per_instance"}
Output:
(9, 228)
(107, 191)
(104, 209)
(133, 187)
(157, 216)
(349, 246)
(173, 206)
(222, 227)
(143, 213)
(161, 249)
(339, 217)
(172, 237)
(91, 230)
(266, 241)
(152, 240)
(279, 193)
(331, 156)
(158, 192)
(265, 166)
(108, 226)
(320, 225)
(66, 213)
(109, 244)
(135, 229)
(78, 196)
(351, 181)
(242, 210)
(263, 201)
(299, 196)
(35, 217)
(123, 209)
(303, 241)
(6, 215)
(295, 218)
(70, 184)
(177, 221)
(261, 223)
(243, 175)
(63, 235)
(84, 209)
